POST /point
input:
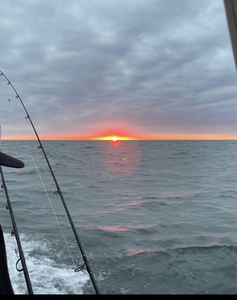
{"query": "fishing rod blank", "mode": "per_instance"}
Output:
(58, 191)
(16, 233)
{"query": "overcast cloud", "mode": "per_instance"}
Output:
(152, 67)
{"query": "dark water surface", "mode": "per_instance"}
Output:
(153, 216)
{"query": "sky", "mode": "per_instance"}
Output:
(136, 69)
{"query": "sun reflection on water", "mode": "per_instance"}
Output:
(122, 157)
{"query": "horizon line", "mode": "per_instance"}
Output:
(121, 138)
(171, 139)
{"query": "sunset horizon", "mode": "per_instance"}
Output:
(122, 138)
(118, 134)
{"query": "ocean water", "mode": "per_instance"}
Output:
(153, 216)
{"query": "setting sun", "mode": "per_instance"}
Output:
(114, 139)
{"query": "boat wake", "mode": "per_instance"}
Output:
(47, 275)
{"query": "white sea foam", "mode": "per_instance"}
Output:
(47, 276)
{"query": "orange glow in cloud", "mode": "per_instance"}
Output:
(122, 138)
(120, 130)
(112, 138)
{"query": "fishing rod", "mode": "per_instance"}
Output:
(9, 161)
(58, 191)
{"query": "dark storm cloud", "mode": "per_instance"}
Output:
(161, 65)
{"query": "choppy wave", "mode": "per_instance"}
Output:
(47, 275)
(119, 228)
(168, 225)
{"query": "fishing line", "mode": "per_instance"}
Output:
(55, 215)
(50, 202)
(17, 236)
(58, 190)
(47, 195)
